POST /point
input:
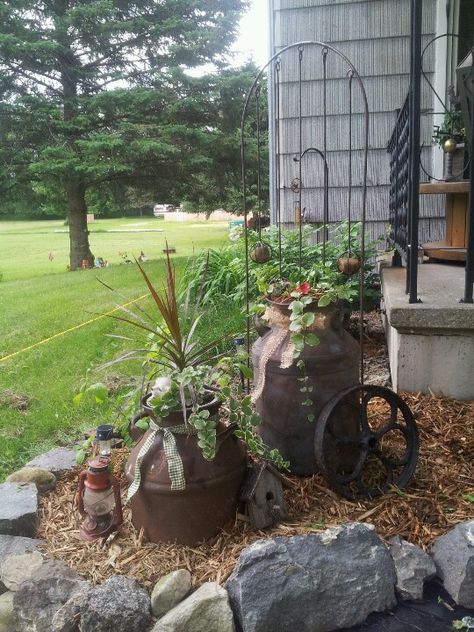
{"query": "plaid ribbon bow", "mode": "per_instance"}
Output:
(175, 464)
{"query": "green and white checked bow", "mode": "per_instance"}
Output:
(175, 464)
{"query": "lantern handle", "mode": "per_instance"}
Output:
(80, 493)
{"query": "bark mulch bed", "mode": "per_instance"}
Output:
(440, 495)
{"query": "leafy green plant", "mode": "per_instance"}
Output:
(187, 373)
(452, 127)
(97, 393)
(466, 623)
(221, 273)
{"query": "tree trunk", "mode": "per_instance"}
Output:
(79, 250)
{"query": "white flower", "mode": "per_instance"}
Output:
(161, 385)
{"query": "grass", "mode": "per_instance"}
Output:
(38, 299)
(26, 246)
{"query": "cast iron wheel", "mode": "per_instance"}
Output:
(366, 441)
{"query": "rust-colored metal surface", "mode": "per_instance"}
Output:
(212, 487)
(331, 366)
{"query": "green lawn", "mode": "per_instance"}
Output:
(38, 299)
(25, 246)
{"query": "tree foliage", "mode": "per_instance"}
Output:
(94, 98)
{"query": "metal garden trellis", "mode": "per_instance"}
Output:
(354, 398)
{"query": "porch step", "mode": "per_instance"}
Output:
(430, 344)
(442, 251)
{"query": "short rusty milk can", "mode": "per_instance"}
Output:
(203, 499)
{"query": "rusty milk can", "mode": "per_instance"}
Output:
(209, 497)
(331, 366)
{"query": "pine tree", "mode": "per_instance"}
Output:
(66, 69)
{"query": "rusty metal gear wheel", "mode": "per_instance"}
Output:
(366, 442)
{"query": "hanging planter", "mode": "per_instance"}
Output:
(261, 252)
(349, 264)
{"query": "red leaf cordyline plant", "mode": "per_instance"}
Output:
(175, 349)
(189, 373)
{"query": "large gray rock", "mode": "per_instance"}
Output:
(39, 598)
(119, 604)
(206, 610)
(453, 554)
(12, 545)
(18, 509)
(68, 617)
(57, 461)
(43, 479)
(18, 568)
(169, 591)
(413, 567)
(312, 583)
(7, 613)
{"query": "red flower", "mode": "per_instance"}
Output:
(304, 288)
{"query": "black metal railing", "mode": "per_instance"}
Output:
(404, 149)
(469, 279)
(398, 199)
(405, 167)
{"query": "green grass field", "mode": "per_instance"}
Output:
(39, 299)
(25, 246)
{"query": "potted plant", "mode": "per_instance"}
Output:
(451, 137)
(302, 359)
(187, 466)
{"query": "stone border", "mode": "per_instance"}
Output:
(325, 580)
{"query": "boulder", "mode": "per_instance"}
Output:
(18, 568)
(57, 461)
(312, 583)
(12, 545)
(413, 567)
(169, 591)
(7, 613)
(68, 617)
(119, 604)
(206, 610)
(39, 598)
(43, 479)
(453, 554)
(18, 509)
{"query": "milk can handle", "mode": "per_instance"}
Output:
(260, 326)
(132, 427)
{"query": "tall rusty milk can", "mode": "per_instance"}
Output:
(330, 367)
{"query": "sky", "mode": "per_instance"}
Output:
(253, 38)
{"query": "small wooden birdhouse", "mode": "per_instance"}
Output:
(262, 492)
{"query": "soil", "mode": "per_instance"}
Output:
(440, 495)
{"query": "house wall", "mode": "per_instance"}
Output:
(375, 36)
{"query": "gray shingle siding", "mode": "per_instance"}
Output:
(374, 35)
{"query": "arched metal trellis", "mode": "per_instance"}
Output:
(306, 155)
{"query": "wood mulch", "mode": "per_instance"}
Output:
(440, 495)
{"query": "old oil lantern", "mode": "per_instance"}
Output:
(99, 500)
(103, 436)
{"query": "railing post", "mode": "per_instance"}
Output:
(469, 276)
(414, 180)
(397, 260)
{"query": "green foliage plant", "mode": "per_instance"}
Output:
(85, 90)
(219, 273)
(189, 374)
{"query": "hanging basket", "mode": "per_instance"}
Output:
(261, 252)
(349, 264)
